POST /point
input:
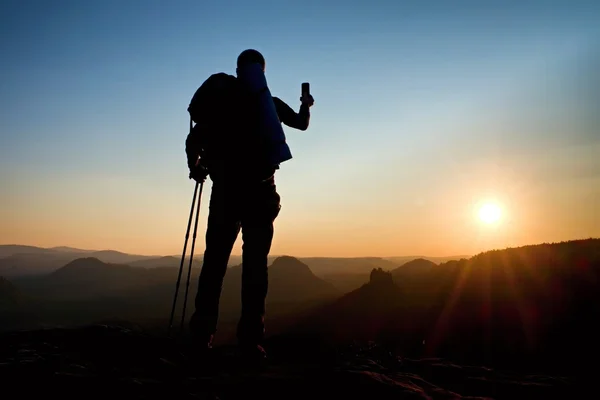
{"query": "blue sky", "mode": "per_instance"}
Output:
(414, 102)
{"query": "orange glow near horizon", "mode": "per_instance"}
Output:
(440, 224)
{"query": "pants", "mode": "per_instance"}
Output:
(253, 209)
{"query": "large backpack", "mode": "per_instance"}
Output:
(233, 124)
(220, 116)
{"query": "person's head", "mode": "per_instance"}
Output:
(250, 56)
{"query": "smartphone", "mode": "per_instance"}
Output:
(305, 88)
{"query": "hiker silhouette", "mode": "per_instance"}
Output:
(225, 145)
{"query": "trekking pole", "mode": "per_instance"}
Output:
(187, 286)
(187, 235)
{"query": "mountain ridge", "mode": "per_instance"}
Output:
(66, 248)
(17, 260)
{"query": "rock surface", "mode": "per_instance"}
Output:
(111, 362)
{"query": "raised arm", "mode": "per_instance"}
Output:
(289, 117)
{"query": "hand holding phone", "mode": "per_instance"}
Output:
(306, 98)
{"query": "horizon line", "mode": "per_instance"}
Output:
(459, 256)
(232, 255)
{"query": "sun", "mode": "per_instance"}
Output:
(490, 213)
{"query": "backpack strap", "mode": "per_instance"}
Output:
(192, 150)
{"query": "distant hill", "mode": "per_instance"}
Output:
(400, 260)
(81, 270)
(7, 250)
(413, 273)
(89, 278)
(418, 265)
(92, 271)
(71, 249)
(17, 260)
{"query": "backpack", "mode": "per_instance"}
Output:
(216, 109)
(229, 121)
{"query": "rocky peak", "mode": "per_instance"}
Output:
(379, 277)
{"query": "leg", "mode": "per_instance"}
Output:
(260, 211)
(222, 230)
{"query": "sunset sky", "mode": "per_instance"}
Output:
(423, 113)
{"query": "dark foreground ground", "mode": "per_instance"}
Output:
(111, 362)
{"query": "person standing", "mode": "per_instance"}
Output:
(223, 145)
